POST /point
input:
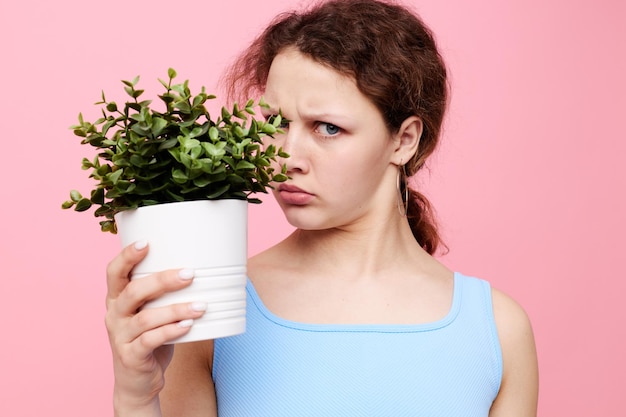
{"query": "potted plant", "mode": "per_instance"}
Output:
(181, 180)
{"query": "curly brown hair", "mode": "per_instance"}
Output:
(393, 58)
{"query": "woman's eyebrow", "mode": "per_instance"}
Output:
(268, 111)
(336, 117)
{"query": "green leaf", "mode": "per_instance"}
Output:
(171, 73)
(264, 176)
(134, 106)
(214, 133)
(137, 117)
(167, 98)
(67, 204)
(201, 182)
(158, 125)
(243, 165)
(163, 83)
(105, 128)
(150, 202)
(230, 161)
(196, 151)
(270, 151)
(197, 131)
(97, 196)
(120, 162)
(83, 205)
(277, 120)
(168, 144)
(103, 210)
(183, 106)
(108, 226)
(198, 100)
(115, 176)
(179, 176)
(136, 160)
(141, 129)
(75, 196)
(145, 103)
(218, 192)
(268, 128)
(174, 196)
(252, 130)
(214, 150)
(176, 154)
(262, 162)
(180, 89)
(239, 132)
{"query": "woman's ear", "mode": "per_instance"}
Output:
(407, 140)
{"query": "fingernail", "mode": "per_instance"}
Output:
(141, 244)
(199, 306)
(185, 273)
(185, 323)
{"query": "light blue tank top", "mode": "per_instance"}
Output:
(452, 367)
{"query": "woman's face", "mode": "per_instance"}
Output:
(340, 148)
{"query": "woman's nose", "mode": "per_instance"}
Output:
(294, 144)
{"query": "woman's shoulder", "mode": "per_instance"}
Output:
(511, 319)
(519, 356)
(513, 325)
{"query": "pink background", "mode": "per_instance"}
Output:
(529, 183)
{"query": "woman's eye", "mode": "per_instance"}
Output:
(283, 123)
(327, 129)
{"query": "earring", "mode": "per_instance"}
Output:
(403, 190)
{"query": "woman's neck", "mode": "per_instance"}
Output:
(357, 251)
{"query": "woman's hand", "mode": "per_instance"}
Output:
(137, 336)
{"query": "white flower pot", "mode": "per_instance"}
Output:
(209, 237)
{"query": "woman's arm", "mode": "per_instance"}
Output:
(189, 389)
(137, 335)
(519, 389)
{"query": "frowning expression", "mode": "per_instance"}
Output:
(340, 148)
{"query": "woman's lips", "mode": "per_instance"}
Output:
(290, 194)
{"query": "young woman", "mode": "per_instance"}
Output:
(350, 315)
